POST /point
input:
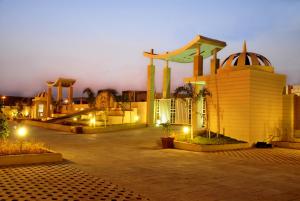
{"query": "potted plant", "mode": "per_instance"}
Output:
(167, 141)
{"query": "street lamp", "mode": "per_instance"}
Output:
(3, 99)
(21, 132)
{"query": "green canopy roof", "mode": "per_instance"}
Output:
(186, 53)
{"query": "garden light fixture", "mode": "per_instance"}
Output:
(22, 132)
(186, 129)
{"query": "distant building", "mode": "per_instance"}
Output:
(293, 89)
(134, 96)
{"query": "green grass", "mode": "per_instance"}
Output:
(204, 140)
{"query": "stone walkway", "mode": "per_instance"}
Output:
(58, 182)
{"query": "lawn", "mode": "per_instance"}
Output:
(204, 139)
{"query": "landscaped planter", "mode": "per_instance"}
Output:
(167, 142)
(209, 148)
(21, 159)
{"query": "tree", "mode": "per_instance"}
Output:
(4, 131)
(20, 107)
(90, 96)
(189, 91)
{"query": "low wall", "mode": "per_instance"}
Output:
(48, 125)
(113, 128)
(290, 145)
(209, 148)
(30, 159)
(86, 129)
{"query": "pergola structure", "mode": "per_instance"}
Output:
(59, 83)
(194, 52)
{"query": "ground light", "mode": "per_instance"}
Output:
(93, 121)
(21, 132)
(158, 122)
(186, 129)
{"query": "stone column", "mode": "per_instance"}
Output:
(196, 105)
(59, 92)
(214, 63)
(166, 81)
(49, 101)
(70, 95)
(150, 92)
(198, 63)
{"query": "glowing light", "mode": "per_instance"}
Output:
(186, 130)
(136, 118)
(93, 121)
(75, 119)
(76, 109)
(3, 97)
(22, 131)
(164, 119)
(26, 113)
(66, 101)
(81, 108)
(90, 115)
(158, 122)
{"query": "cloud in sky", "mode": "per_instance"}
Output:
(100, 43)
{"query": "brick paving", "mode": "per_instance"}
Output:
(58, 182)
(272, 156)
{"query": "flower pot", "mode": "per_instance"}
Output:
(167, 142)
(78, 129)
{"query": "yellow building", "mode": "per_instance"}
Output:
(246, 98)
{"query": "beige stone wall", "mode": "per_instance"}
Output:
(230, 98)
(287, 117)
(266, 105)
(247, 102)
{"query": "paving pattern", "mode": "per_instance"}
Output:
(58, 182)
(274, 155)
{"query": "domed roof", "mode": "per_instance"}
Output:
(246, 59)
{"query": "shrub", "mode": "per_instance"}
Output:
(4, 131)
(12, 148)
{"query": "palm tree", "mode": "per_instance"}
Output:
(189, 91)
(90, 96)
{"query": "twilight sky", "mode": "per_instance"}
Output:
(101, 43)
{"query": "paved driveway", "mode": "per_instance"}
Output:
(134, 160)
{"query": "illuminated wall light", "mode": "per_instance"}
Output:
(76, 109)
(136, 118)
(81, 109)
(75, 119)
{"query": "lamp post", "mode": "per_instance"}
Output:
(22, 132)
(3, 99)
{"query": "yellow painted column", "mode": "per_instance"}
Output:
(198, 63)
(166, 81)
(214, 63)
(70, 95)
(198, 71)
(59, 92)
(150, 92)
(49, 101)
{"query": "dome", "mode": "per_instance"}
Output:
(246, 59)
